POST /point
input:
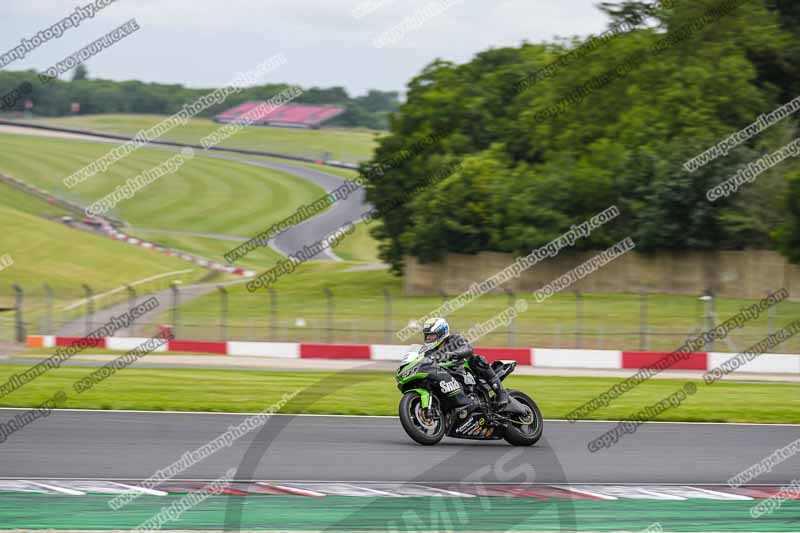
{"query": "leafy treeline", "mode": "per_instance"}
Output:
(544, 149)
(104, 96)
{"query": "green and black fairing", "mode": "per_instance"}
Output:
(410, 376)
(422, 374)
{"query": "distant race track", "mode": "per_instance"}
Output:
(345, 211)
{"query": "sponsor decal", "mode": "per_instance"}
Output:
(449, 386)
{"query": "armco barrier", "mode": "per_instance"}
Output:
(536, 357)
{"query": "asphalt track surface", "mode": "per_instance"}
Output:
(123, 445)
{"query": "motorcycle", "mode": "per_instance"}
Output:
(428, 412)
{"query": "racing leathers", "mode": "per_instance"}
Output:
(457, 348)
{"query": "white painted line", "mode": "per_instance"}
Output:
(122, 288)
(62, 490)
(585, 492)
(113, 411)
(292, 490)
(449, 492)
(136, 488)
(663, 495)
(377, 492)
(273, 483)
(722, 495)
(632, 492)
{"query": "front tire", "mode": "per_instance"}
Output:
(427, 429)
(525, 434)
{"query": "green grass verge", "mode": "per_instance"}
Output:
(375, 393)
(65, 258)
(261, 258)
(342, 144)
(14, 198)
(359, 246)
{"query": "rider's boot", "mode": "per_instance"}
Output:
(464, 405)
(500, 394)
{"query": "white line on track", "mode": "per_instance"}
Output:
(62, 490)
(401, 482)
(112, 411)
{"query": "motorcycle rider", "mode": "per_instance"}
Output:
(444, 347)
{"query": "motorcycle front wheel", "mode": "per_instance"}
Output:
(426, 426)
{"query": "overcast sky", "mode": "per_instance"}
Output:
(205, 43)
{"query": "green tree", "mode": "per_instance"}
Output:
(81, 73)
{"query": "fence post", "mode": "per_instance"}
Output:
(48, 321)
(89, 308)
(19, 297)
(329, 298)
(131, 302)
(773, 309)
(511, 330)
(174, 313)
(709, 299)
(273, 313)
(578, 318)
(443, 295)
(223, 312)
(643, 340)
(387, 316)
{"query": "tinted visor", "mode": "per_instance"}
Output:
(430, 337)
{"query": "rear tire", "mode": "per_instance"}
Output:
(425, 431)
(525, 434)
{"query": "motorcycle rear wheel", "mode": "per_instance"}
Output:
(425, 428)
(525, 434)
